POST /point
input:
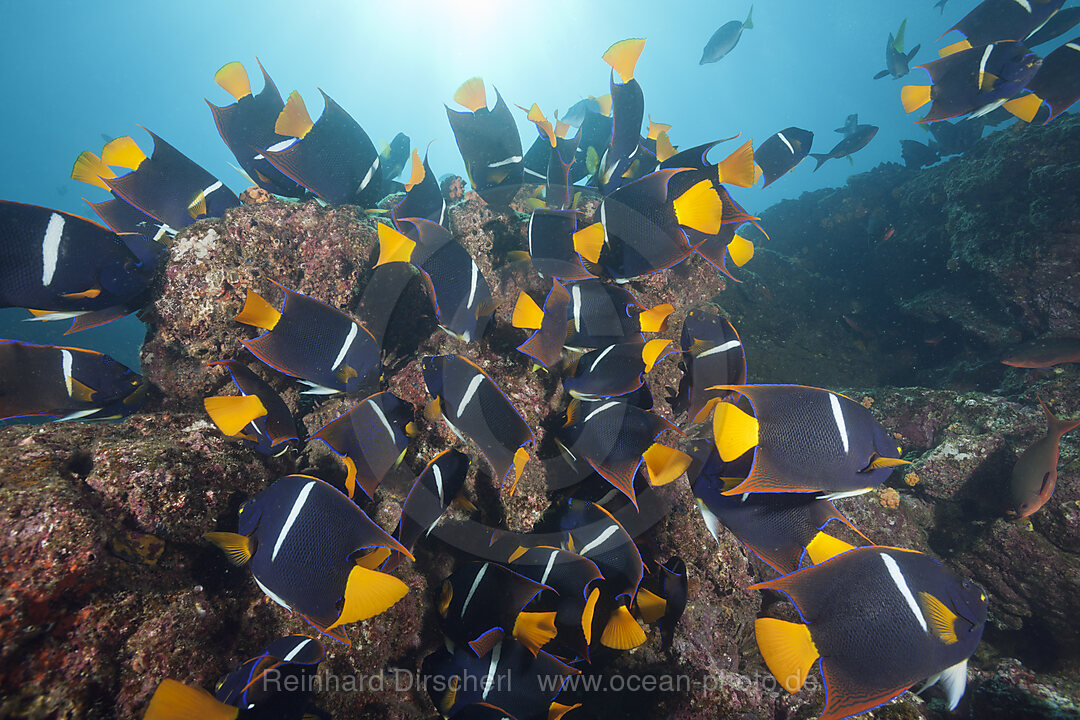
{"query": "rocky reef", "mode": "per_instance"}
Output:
(109, 588)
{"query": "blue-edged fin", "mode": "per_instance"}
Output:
(939, 619)
(825, 547)
(734, 431)
(237, 548)
(534, 629)
(257, 312)
(368, 593)
(232, 413)
(175, 701)
(788, 650)
(622, 631)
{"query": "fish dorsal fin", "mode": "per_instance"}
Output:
(123, 152)
(368, 593)
(534, 629)
(825, 547)
(940, 620)
(655, 318)
(232, 413)
(788, 650)
(1025, 107)
(734, 431)
(650, 606)
(237, 547)
(589, 241)
(738, 167)
(471, 94)
(664, 463)
(588, 614)
(622, 631)
(294, 120)
(623, 57)
(258, 313)
(700, 208)
(653, 352)
(233, 79)
(393, 246)
(527, 314)
(740, 250)
(914, 97)
(173, 700)
(90, 169)
(417, 175)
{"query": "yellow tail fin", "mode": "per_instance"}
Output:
(650, 606)
(740, 250)
(623, 57)
(417, 175)
(393, 246)
(825, 547)
(788, 650)
(258, 313)
(527, 314)
(664, 463)
(700, 208)
(294, 120)
(655, 318)
(233, 79)
(368, 593)
(90, 169)
(738, 167)
(176, 701)
(123, 152)
(232, 413)
(622, 631)
(534, 629)
(1025, 107)
(471, 94)
(734, 431)
(589, 241)
(914, 97)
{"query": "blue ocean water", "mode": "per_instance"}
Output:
(78, 74)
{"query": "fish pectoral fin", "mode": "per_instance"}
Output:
(701, 208)
(650, 606)
(368, 593)
(914, 97)
(825, 547)
(940, 620)
(81, 391)
(176, 700)
(233, 413)
(881, 74)
(788, 650)
(664, 463)
(734, 431)
(622, 631)
(237, 547)
(954, 681)
(877, 462)
(257, 312)
(534, 629)
(393, 246)
(85, 294)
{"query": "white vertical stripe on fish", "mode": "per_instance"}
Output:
(838, 417)
(294, 512)
(345, 346)
(901, 585)
(50, 247)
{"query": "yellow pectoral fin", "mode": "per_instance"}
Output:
(393, 246)
(534, 629)
(825, 547)
(734, 431)
(123, 152)
(175, 701)
(740, 250)
(589, 241)
(940, 619)
(655, 319)
(738, 167)
(471, 94)
(232, 413)
(700, 208)
(258, 313)
(90, 169)
(233, 79)
(527, 314)
(650, 606)
(664, 463)
(294, 120)
(954, 48)
(81, 391)
(85, 294)
(1025, 107)
(588, 614)
(623, 57)
(368, 593)
(622, 631)
(788, 650)
(884, 462)
(914, 97)
(236, 547)
(417, 175)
